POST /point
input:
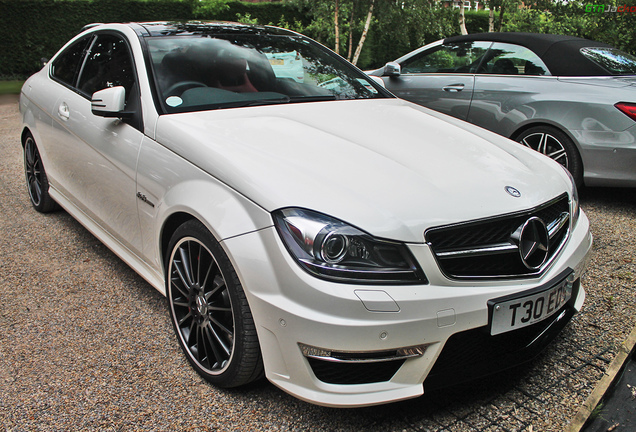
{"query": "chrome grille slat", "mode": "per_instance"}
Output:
(484, 248)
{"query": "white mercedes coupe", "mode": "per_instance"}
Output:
(352, 247)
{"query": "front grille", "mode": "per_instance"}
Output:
(486, 248)
(354, 373)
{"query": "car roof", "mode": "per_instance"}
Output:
(561, 54)
(161, 28)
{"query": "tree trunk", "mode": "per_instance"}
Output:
(337, 27)
(491, 20)
(462, 18)
(501, 14)
(353, 8)
(367, 24)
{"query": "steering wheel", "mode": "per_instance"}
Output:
(178, 88)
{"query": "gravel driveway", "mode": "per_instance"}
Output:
(86, 344)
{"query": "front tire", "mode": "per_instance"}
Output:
(555, 144)
(36, 179)
(209, 310)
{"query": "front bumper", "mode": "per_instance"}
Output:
(294, 310)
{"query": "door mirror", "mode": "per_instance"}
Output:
(392, 69)
(110, 102)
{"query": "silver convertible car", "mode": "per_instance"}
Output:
(352, 247)
(569, 98)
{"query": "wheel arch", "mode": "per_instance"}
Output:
(28, 131)
(25, 133)
(170, 225)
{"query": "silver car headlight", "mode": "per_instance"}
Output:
(331, 249)
(574, 199)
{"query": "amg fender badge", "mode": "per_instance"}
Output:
(144, 198)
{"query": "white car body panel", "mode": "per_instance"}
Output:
(386, 166)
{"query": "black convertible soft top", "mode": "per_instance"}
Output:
(561, 54)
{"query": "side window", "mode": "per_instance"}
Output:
(66, 66)
(509, 59)
(108, 64)
(461, 57)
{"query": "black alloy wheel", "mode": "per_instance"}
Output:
(555, 144)
(209, 310)
(36, 179)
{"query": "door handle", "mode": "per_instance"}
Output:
(453, 88)
(63, 111)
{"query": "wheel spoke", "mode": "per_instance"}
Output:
(177, 268)
(225, 330)
(216, 341)
(543, 144)
(199, 263)
(187, 333)
(217, 284)
(30, 152)
(207, 274)
(187, 267)
(212, 343)
(186, 316)
(220, 309)
(559, 154)
(38, 189)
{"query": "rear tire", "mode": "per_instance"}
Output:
(209, 309)
(36, 179)
(555, 144)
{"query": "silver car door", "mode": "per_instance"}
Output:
(505, 88)
(441, 78)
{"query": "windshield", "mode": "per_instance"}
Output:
(201, 72)
(615, 61)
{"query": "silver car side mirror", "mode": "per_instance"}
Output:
(392, 69)
(110, 102)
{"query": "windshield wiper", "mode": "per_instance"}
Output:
(318, 98)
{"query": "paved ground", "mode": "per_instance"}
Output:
(86, 344)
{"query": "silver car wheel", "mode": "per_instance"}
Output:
(555, 144)
(548, 145)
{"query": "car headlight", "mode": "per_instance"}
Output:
(574, 199)
(331, 249)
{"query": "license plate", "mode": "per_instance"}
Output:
(521, 312)
(276, 62)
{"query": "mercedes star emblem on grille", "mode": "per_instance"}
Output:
(533, 241)
(513, 191)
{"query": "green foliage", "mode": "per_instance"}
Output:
(477, 21)
(400, 30)
(33, 29)
(10, 87)
(576, 18)
(259, 13)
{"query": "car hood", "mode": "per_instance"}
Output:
(387, 166)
